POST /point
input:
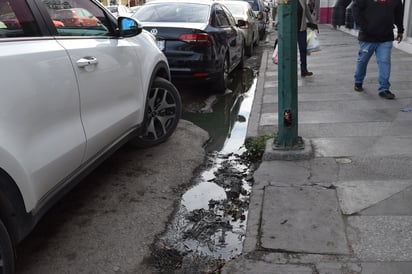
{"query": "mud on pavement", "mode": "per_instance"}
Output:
(108, 222)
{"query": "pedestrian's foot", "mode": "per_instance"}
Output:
(387, 94)
(358, 87)
(306, 73)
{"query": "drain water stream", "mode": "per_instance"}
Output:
(210, 224)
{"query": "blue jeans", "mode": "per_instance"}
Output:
(382, 51)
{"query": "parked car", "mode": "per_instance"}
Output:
(261, 11)
(242, 10)
(83, 92)
(134, 9)
(120, 10)
(201, 39)
(10, 20)
(58, 23)
(76, 17)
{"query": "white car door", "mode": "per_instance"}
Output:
(108, 77)
(41, 138)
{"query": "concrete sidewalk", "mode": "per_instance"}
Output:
(348, 209)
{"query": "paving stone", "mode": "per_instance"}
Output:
(381, 238)
(302, 219)
(355, 196)
(254, 267)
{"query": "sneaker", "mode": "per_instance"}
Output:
(358, 87)
(306, 73)
(387, 94)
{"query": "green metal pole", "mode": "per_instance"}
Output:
(287, 137)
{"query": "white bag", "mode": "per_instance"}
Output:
(313, 42)
(275, 55)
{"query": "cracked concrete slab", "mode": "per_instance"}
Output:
(399, 204)
(250, 266)
(302, 219)
(355, 196)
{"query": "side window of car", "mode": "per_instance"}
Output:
(16, 20)
(232, 20)
(78, 18)
(221, 18)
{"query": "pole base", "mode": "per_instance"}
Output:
(295, 144)
(299, 151)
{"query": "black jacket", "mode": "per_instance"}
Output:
(376, 19)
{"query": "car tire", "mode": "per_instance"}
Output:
(221, 81)
(242, 57)
(6, 251)
(250, 48)
(163, 111)
(256, 42)
(262, 33)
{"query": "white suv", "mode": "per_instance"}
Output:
(76, 83)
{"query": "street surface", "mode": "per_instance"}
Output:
(108, 223)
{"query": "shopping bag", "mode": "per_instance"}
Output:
(313, 42)
(275, 55)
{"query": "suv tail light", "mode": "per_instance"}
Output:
(196, 39)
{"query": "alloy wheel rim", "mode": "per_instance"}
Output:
(161, 113)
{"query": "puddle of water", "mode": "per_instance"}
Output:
(226, 117)
(211, 219)
(212, 215)
(198, 197)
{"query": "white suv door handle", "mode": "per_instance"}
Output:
(86, 61)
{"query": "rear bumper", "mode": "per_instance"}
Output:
(196, 71)
(201, 77)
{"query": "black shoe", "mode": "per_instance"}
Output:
(306, 73)
(358, 87)
(387, 94)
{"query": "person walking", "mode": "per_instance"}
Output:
(376, 20)
(274, 11)
(304, 21)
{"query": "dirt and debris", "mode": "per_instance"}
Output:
(209, 226)
(200, 240)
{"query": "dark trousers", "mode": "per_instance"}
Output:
(302, 43)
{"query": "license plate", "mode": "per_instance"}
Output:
(161, 44)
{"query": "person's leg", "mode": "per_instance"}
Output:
(366, 50)
(302, 43)
(383, 58)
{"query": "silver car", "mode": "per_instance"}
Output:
(242, 10)
(260, 10)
